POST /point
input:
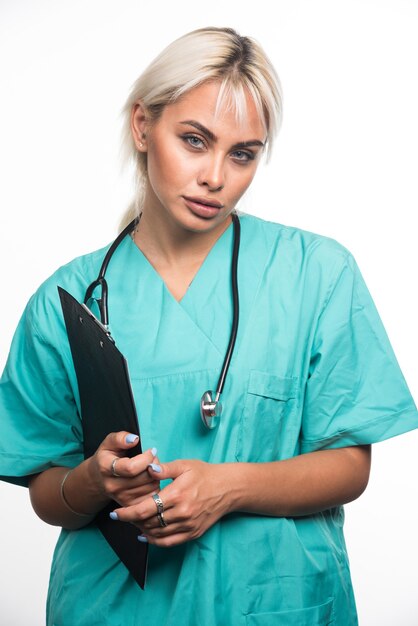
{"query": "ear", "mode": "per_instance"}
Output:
(139, 124)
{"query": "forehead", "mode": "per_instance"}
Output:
(201, 104)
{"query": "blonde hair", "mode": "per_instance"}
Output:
(203, 55)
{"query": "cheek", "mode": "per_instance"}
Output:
(168, 169)
(160, 171)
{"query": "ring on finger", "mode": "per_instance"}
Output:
(158, 503)
(161, 519)
(114, 472)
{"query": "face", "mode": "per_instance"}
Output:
(198, 165)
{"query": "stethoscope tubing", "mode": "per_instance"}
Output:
(101, 281)
(235, 299)
(210, 407)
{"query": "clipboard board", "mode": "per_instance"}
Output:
(107, 405)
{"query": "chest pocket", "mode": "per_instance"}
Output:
(268, 430)
(322, 615)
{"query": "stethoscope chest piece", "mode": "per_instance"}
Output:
(210, 410)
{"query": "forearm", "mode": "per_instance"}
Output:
(201, 493)
(80, 492)
(94, 483)
(301, 485)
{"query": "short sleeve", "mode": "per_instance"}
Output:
(40, 425)
(355, 393)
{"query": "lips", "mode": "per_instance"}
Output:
(204, 201)
(203, 207)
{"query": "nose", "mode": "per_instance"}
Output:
(212, 174)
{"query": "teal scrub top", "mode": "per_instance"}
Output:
(312, 369)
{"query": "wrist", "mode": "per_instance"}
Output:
(83, 492)
(235, 485)
(64, 497)
(247, 492)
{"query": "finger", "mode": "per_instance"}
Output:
(129, 497)
(125, 467)
(131, 514)
(172, 469)
(153, 526)
(129, 488)
(167, 541)
(159, 531)
(138, 513)
(141, 462)
(121, 440)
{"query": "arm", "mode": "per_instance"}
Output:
(91, 485)
(201, 493)
(304, 484)
(45, 495)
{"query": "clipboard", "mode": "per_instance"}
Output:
(107, 405)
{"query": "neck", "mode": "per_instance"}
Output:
(162, 238)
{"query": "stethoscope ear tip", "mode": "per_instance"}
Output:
(210, 410)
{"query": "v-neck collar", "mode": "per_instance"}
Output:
(220, 242)
(139, 298)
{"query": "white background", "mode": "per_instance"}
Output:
(345, 165)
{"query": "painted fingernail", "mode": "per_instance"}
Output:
(155, 467)
(142, 539)
(154, 451)
(131, 438)
(113, 515)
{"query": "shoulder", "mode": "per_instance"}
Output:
(296, 239)
(298, 247)
(43, 309)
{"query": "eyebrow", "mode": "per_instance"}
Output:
(212, 137)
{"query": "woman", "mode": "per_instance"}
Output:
(250, 529)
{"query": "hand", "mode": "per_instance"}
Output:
(193, 502)
(134, 482)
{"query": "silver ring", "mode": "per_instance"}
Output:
(161, 519)
(159, 503)
(114, 472)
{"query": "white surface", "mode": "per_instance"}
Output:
(345, 165)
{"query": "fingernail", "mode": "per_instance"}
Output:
(142, 539)
(113, 515)
(154, 451)
(131, 438)
(155, 467)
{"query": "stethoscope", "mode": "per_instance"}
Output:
(210, 406)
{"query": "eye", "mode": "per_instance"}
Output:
(193, 140)
(243, 156)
